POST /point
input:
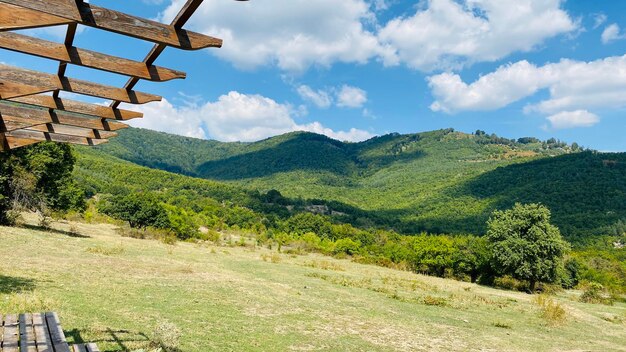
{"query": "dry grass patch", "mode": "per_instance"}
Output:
(553, 312)
(324, 265)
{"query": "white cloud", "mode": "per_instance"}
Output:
(297, 34)
(163, 116)
(293, 34)
(612, 33)
(599, 19)
(447, 34)
(320, 98)
(344, 97)
(571, 119)
(572, 86)
(233, 117)
(351, 97)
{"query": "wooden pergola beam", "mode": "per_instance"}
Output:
(14, 114)
(48, 82)
(10, 90)
(86, 58)
(72, 131)
(118, 22)
(16, 17)
(78, 107)
(20, 138)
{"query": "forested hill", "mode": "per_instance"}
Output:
(440, 181)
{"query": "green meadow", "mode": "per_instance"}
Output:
(125, 294)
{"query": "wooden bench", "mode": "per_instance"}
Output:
(40, 332)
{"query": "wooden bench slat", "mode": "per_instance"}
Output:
(56, 333)
(28, 342)
(11, 334)
(91, 347)
(41, 333)
(79, 348)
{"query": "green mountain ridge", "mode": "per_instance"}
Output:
(440, 181)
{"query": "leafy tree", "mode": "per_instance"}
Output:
(525, 245)
(139, 209)
(472, 257)
(306, 222)
(37, 177)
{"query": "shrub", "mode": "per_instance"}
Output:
(596, 293)
(347, 246)
(509, 283)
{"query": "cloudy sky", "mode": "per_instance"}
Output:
(352, 69)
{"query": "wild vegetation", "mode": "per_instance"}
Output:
(437, 182)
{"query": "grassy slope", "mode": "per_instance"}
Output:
(228, 299)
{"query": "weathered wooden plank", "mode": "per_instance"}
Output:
(79, 107)
(79, 348)
(27, 334)
(118, 22)
(72, 131)
(87, 58)
(20, 138)
(11, 334)
(16, 17)
(39, 321)
(15, 125)
(91, 347)
(19, 114)
(14, 143)
(15, 89)
(49, 82)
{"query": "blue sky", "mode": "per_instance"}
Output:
(352, 69)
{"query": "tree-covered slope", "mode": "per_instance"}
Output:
(439, 181)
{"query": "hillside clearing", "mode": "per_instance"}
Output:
(114, 291)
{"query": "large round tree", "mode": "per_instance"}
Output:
(525, 245)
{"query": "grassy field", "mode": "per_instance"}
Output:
(115, 291)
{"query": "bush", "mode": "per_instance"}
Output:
(596, 293)
(346, 246)
(509, 283)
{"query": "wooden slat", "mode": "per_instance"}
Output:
(56, 333)
(15, 89)
(91, 347)
(118, 22)
(79, 107)
(41, 330)
(27, 334)
(79, 348)
(87, 58)
(52, 82)
(11, 334)
(16, 17)
(72, 131)
(20, 138)
(19, 114)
